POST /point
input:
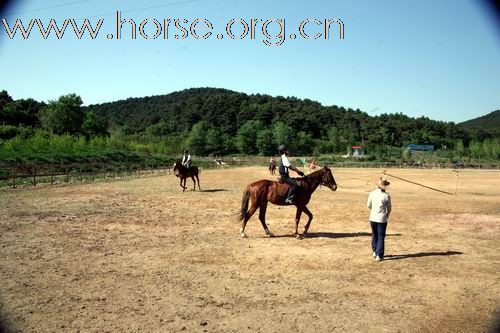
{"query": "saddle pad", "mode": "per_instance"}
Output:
(283, 188)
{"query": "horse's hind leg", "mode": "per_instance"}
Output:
(262, 218)
(297, 220)
(310, 216)
(198, 179)
(249, 214)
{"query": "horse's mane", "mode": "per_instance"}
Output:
(312, 175)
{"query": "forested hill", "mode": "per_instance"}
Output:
(491, 121)
(226, 112)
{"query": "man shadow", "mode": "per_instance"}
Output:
(341, 234)
(421, 254)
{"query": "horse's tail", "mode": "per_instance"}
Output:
(244, 204)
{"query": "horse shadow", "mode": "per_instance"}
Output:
(421, 254)
(213, 190)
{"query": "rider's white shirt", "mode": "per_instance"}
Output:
(186, 159)
(285, 161)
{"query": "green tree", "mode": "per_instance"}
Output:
(162, 128)
(334, 138)
(246, 138)
(490, 149)
(214, 142)
(459, 148)
(5, 99)
(64, 115)
(197, 139)
(475, 149)
(283, 134)
(265, 142)
(304, 144)
(93, 126)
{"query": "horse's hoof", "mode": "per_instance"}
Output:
(270, 234)
(243, 235)
(299, 237)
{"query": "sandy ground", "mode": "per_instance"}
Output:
(140, 255)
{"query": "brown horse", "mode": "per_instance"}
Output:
(183, 173)
(272, 167)
(259, 193)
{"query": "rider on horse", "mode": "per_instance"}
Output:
(284, 166)
(186, 160)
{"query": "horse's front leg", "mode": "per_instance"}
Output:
(183, 188)
(183, 184)
(297, 220)
(310, 216)
(198, 179)
(194, 183)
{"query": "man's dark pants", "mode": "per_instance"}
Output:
(378, 237)
(293, 183)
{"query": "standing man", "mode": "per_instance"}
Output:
(379, 201)
(284, 176)
(186, 159)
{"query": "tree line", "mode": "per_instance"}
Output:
(211, 121)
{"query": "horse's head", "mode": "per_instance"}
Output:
(327, 179)
(177, 165)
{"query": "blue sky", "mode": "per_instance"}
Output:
(439, 59)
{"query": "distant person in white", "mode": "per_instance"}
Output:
(379, 202)
(186, 160)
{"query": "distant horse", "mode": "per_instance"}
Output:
(272, 167)
(183, 173)
(220, 163)
(259, 193)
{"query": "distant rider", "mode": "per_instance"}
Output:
(284, 166)
(186, 160)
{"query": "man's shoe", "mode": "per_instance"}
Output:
(289, 201)
(374, 254)
(379, 258)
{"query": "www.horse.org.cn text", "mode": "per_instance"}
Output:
(271, 32)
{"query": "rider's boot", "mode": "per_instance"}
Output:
(291, 195)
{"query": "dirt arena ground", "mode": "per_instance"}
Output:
(140, 255)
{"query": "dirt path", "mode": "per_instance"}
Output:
(140, 255)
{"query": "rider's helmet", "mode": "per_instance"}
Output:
(282, 148)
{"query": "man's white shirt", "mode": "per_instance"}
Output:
(380, 204)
